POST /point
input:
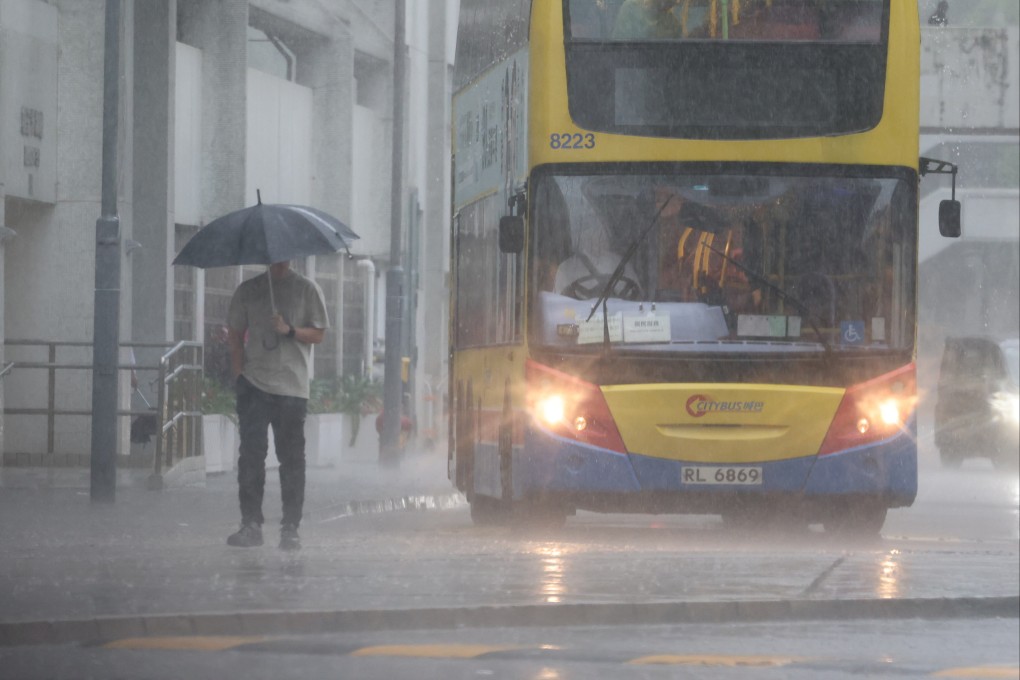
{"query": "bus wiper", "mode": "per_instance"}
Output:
(618, 272)
(801, 307)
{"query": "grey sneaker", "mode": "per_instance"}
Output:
(289, 539)
(248, 536)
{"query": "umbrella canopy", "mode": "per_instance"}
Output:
(264, 234)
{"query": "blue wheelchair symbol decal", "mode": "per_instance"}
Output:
(851, 332)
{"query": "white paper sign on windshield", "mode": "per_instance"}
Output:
(646, 328)
(764, 326)
(593, 331)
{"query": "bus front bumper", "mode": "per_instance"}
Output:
(588, 477)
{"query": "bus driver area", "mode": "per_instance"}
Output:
(718, 258)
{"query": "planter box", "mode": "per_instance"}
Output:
(324, 442)
(219, 441)
(366, 446)
(324, 439)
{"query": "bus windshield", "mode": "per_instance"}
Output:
(758, 20)
(723, 262)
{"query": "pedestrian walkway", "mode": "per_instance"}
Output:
(156, 563)
(357, 484)
(46, 515)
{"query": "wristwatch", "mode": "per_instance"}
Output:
(292, 332)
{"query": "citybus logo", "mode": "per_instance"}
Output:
(699, 405)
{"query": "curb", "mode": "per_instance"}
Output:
(344, 621)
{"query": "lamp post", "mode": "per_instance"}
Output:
(389, 438)
(106, 312)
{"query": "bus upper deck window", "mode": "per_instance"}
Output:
(751, 20)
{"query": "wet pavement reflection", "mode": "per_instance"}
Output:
(62, 560)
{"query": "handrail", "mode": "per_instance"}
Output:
(181, 344)
(177, 416)
(82, 367)
(186, 408)
(180, 368)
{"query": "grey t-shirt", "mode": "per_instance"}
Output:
(275, 363)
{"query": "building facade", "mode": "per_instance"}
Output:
(218, 100)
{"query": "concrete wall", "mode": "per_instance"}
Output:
(28, 99)
(185, 149)
(969, 79)
(153, 176)
(29, 38)
(370, 202)
(279, 141)
(329, 73)
(220, 30)
(188, 135)
(51, 263)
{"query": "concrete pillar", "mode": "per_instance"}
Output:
(435, 239)
(155, 31)
(220, 30)
(5, 233)
(327, 67)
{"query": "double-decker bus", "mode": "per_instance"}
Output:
(684, 255)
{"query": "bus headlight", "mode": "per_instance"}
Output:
(872, 411)
(889, 410)
(571, 408)
(1007, 406)
(551, 409)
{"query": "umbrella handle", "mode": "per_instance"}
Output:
(272, 300)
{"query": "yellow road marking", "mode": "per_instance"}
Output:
(715, 660)
(980, 672)
(213, 643)
(433, 651)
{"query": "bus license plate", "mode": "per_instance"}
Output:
(720, 474)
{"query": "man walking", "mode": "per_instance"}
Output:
(272, 323)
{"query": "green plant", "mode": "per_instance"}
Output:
(218, 398)
(353, 395)
(323, 397)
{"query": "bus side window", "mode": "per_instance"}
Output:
(550, 232)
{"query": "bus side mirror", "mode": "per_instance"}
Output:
(511, 234)
(949, 218)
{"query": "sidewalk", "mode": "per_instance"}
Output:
(66, 557)
(355, 479)
(156, 563)
(59, 498)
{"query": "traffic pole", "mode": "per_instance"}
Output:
(389, 438)
(106, 311)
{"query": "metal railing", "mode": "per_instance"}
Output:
(178, 387)
(179, 433)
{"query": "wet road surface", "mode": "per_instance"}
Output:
(161, 559)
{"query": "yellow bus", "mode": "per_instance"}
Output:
(684, 256)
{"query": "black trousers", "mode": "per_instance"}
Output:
(256, 412)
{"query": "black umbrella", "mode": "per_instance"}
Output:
(266, 233)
